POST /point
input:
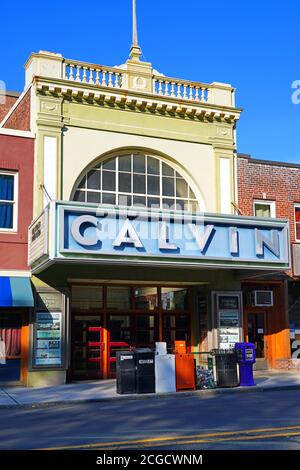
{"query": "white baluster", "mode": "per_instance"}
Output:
(97, 77)
(191, 97)
(179, 95)
(160, 82)
(104, 78)
(110, 82)
(173, 89)
(78, 73)
(71, 71)
(154, 81)
(197, 94)
(167, 88)
(208, 95)
(117, 75)
(185, 96)
(84, 75)
(91, 77)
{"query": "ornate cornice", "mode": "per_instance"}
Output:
(137, 101)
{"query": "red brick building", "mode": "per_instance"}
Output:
(16, 210)
(272, 189)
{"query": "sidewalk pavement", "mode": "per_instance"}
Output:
(85, 392)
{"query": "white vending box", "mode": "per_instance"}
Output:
(165, 379)
(161, 348)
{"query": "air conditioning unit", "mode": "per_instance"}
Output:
(261, 298)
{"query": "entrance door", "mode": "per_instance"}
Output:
(129, 331)
(256, 334)
(87, 347)
(119, 338)
(10, 346)
(176, 327)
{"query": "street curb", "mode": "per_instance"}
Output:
(155, 396)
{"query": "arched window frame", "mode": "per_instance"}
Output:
(194, 200)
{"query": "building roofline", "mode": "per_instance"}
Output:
(15, 94)
(268, 162)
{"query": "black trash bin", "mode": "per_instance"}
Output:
(126, 372)
(145, 370)
(226, 367)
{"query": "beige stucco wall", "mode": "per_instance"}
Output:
(195, 161)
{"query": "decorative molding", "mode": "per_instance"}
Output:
(142, 102)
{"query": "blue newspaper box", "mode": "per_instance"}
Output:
(246, 358)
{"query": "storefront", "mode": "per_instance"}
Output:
(117, 278)
(105, 319)
(16, 300)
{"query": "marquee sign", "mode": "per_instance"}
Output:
(96, 234)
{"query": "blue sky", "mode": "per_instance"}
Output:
(253, 45)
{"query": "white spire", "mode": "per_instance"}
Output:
(134, 25)
(135, 51)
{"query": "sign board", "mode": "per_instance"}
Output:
(48, 339)
(38, 238)
(229, 325)
(49, 300)
(90, 233)
(229, 319)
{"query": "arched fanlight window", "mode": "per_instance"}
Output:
(136, 180)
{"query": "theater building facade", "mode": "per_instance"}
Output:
(135, 235)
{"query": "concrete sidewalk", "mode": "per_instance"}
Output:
(19, 396)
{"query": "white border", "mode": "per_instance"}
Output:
(296, 206)
(14, 229)
(272, 205)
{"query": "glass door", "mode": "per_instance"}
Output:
(119, 338)
(87, 347)
(176, 327)
(256, 334)
(130, 331)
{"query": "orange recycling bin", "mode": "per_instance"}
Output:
(184, 364)
(179, 347)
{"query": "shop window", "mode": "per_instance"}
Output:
(118, 298)
(145, 330)
(297, 222)
(145, 298)
(87, 297)
(174, 298)
(175, 328)
(8, 201)
(264, 208)
(136, 180)
(120, 328)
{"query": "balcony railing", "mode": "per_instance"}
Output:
(113, 77)
(181, 89)
(128, 77)
(83, 72)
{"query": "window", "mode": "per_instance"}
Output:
(264, 208)
(297, 222)
(173, 298)
(136, 180)
(8, 201)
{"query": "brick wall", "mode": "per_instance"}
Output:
(20, 118)
(9, 102)
(16, 154)
(271, 181)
